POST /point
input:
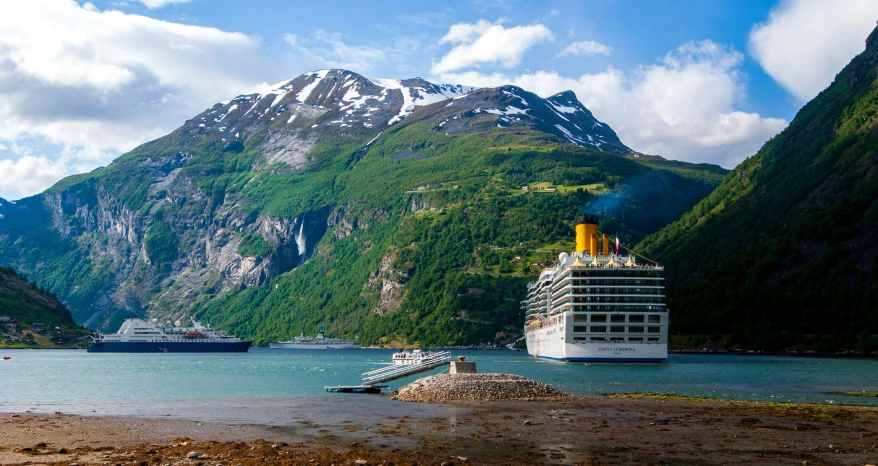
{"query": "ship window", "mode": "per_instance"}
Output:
(655, 319)
(617, 318)
(654, 329)
(636, 339)
(579, 338)
(617, 329)
(598, 328)
(598, 317)
(598, 339)
(635, 319)
(637, 329)
(580, 328)
(580, 318)
(652, 339)
(617, 339)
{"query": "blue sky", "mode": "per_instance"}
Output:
(701, 81)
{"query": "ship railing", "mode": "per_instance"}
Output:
(398, 371)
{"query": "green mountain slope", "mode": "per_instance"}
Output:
(784, 253)
(28, 304)
(389, 210)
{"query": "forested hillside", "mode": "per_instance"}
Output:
(784, 253)
(394, 211)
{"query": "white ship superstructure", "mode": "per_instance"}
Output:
(139, 336)
(318, 342)
(594, 307)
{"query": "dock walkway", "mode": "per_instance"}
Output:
(398, 371)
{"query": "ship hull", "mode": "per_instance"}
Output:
(283, 345)
(558, 350)
(169, 347)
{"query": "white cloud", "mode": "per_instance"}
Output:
(805, 43)
(152, 4)
(587, 48)
(682, 107)
(94, 84)
(487, 43)
(28, 174)
(321, 49)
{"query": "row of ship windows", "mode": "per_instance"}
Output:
(617, 283)
(615, 329)
(634, 318)
(615, 273)
(611, 308)
(615, 339)
(615, 299)
(610, 290)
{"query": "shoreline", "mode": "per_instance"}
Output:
(643, 429)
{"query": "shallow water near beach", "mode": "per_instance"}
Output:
(281, 387)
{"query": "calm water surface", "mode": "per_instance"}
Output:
(276, 387)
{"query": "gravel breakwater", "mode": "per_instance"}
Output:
(477, 387)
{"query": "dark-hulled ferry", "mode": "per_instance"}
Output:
(140, 336)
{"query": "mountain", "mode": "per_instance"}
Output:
(388, 209)
(27, 303)
(784, 253)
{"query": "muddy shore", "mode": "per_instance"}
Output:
(582, 430)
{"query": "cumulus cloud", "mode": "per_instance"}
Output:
(93, 84)
(587, 48)
(321, 49)
(805, 43)
(488, 43)
(681, 107)
(152, 4)
(28, 175)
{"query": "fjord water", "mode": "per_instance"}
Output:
(275, 387)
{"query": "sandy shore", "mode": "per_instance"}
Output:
(592, 430)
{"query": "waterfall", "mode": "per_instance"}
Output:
(300, 239)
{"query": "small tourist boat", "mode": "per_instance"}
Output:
(6, 358)
(417, 356)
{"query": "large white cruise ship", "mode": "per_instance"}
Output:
(597, 307)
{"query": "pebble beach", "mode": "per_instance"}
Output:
(481, 419)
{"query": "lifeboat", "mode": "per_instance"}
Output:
(6, 358)
(192, 334)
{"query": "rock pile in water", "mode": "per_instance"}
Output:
(477, 387)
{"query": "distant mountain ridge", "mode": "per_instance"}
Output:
(364, 206)
(784, 254)
(341, 98)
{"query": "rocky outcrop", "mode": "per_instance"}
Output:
(477, 387)
(387, 281)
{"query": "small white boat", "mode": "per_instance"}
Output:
(412, 357)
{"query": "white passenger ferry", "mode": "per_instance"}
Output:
(318, 342)
(140, 336)
(597, 307)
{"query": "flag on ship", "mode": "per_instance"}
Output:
(617, 244)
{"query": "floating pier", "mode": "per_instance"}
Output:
(376, 389)
(399, 371)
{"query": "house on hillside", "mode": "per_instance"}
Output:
(12, 324)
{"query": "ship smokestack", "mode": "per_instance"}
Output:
(587, 234)
(606, 245)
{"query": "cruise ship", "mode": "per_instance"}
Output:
(597, 306)
(318, 342)
(140, 336)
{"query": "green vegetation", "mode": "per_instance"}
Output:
(29, 304)
(439, 245)
(783, 254)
